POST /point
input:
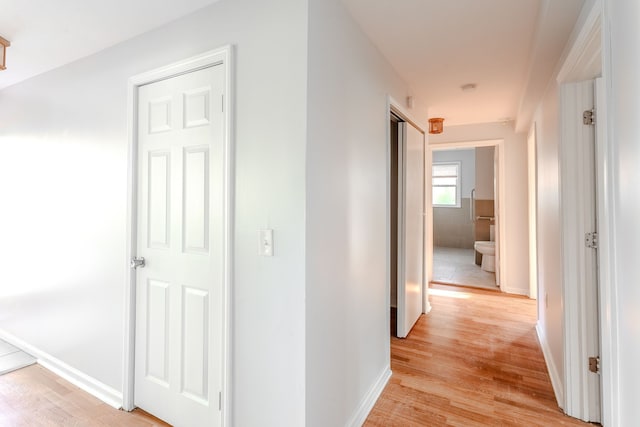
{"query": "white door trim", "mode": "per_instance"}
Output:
(532, 173)
(607, 280)
(502, 216)
(578, 211)
(606, 187)
(222, 57)
(398, 109)
(591, 53)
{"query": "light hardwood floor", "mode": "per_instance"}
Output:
(473, 361)
(35, 397)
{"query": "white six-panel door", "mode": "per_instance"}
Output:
(179, 316)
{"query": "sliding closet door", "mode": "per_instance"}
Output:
(410, 227)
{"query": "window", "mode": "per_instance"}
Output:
(446, 184)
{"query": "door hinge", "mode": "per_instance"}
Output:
(219, 401)
(594, 365)
(591, 240)
(589, 117)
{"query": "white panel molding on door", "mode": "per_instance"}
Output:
(174, 200)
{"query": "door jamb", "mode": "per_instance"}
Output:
(592, 47)
(532, 186)
(224, 57)
(397, 108)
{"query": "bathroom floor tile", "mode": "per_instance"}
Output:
(457, 266)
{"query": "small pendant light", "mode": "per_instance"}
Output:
(4, 44)
(436, 125)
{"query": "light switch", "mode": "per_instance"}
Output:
(266, 242)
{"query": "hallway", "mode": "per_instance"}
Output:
(473, 361)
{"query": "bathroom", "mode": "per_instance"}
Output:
(464, 217)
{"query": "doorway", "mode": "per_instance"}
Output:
(465, 224)
(464, 218)
(177, 323)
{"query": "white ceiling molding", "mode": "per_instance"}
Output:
(584, 61)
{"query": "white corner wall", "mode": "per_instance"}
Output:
(347, 324)
(549, 244)
(516, 278)
(621, 71)
(63, 186)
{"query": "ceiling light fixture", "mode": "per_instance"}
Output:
(436, 125)
(4, 44)
(469, 87)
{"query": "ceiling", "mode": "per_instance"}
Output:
(507, 48)
(47, 34)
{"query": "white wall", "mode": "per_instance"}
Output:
(467, 159)
(346, 245)
(546, 120)
(622, 67)
(63, 169)
(516, 252)
(549, 244)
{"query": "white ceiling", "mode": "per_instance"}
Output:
(46, 34)
(508, 48)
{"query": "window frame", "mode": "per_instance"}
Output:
(458, 186)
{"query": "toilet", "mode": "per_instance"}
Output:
(488, 251)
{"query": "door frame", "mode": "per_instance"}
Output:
(224, 57)
(578, 205)
(588, 59)
(502, 226)
(395, 107)
(532, 185)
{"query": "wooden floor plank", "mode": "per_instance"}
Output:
(35, 397)
(473, 361)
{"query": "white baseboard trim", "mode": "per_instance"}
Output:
(517, 291)
(556, 381)
(108, 395)
(370, 399)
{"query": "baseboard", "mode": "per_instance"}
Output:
(556, 381)
(516, 291)
(108, 395)
(370, 399)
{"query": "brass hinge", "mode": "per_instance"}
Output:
(594, 364)
(589, 117)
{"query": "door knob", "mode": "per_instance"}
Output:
(137, 262)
